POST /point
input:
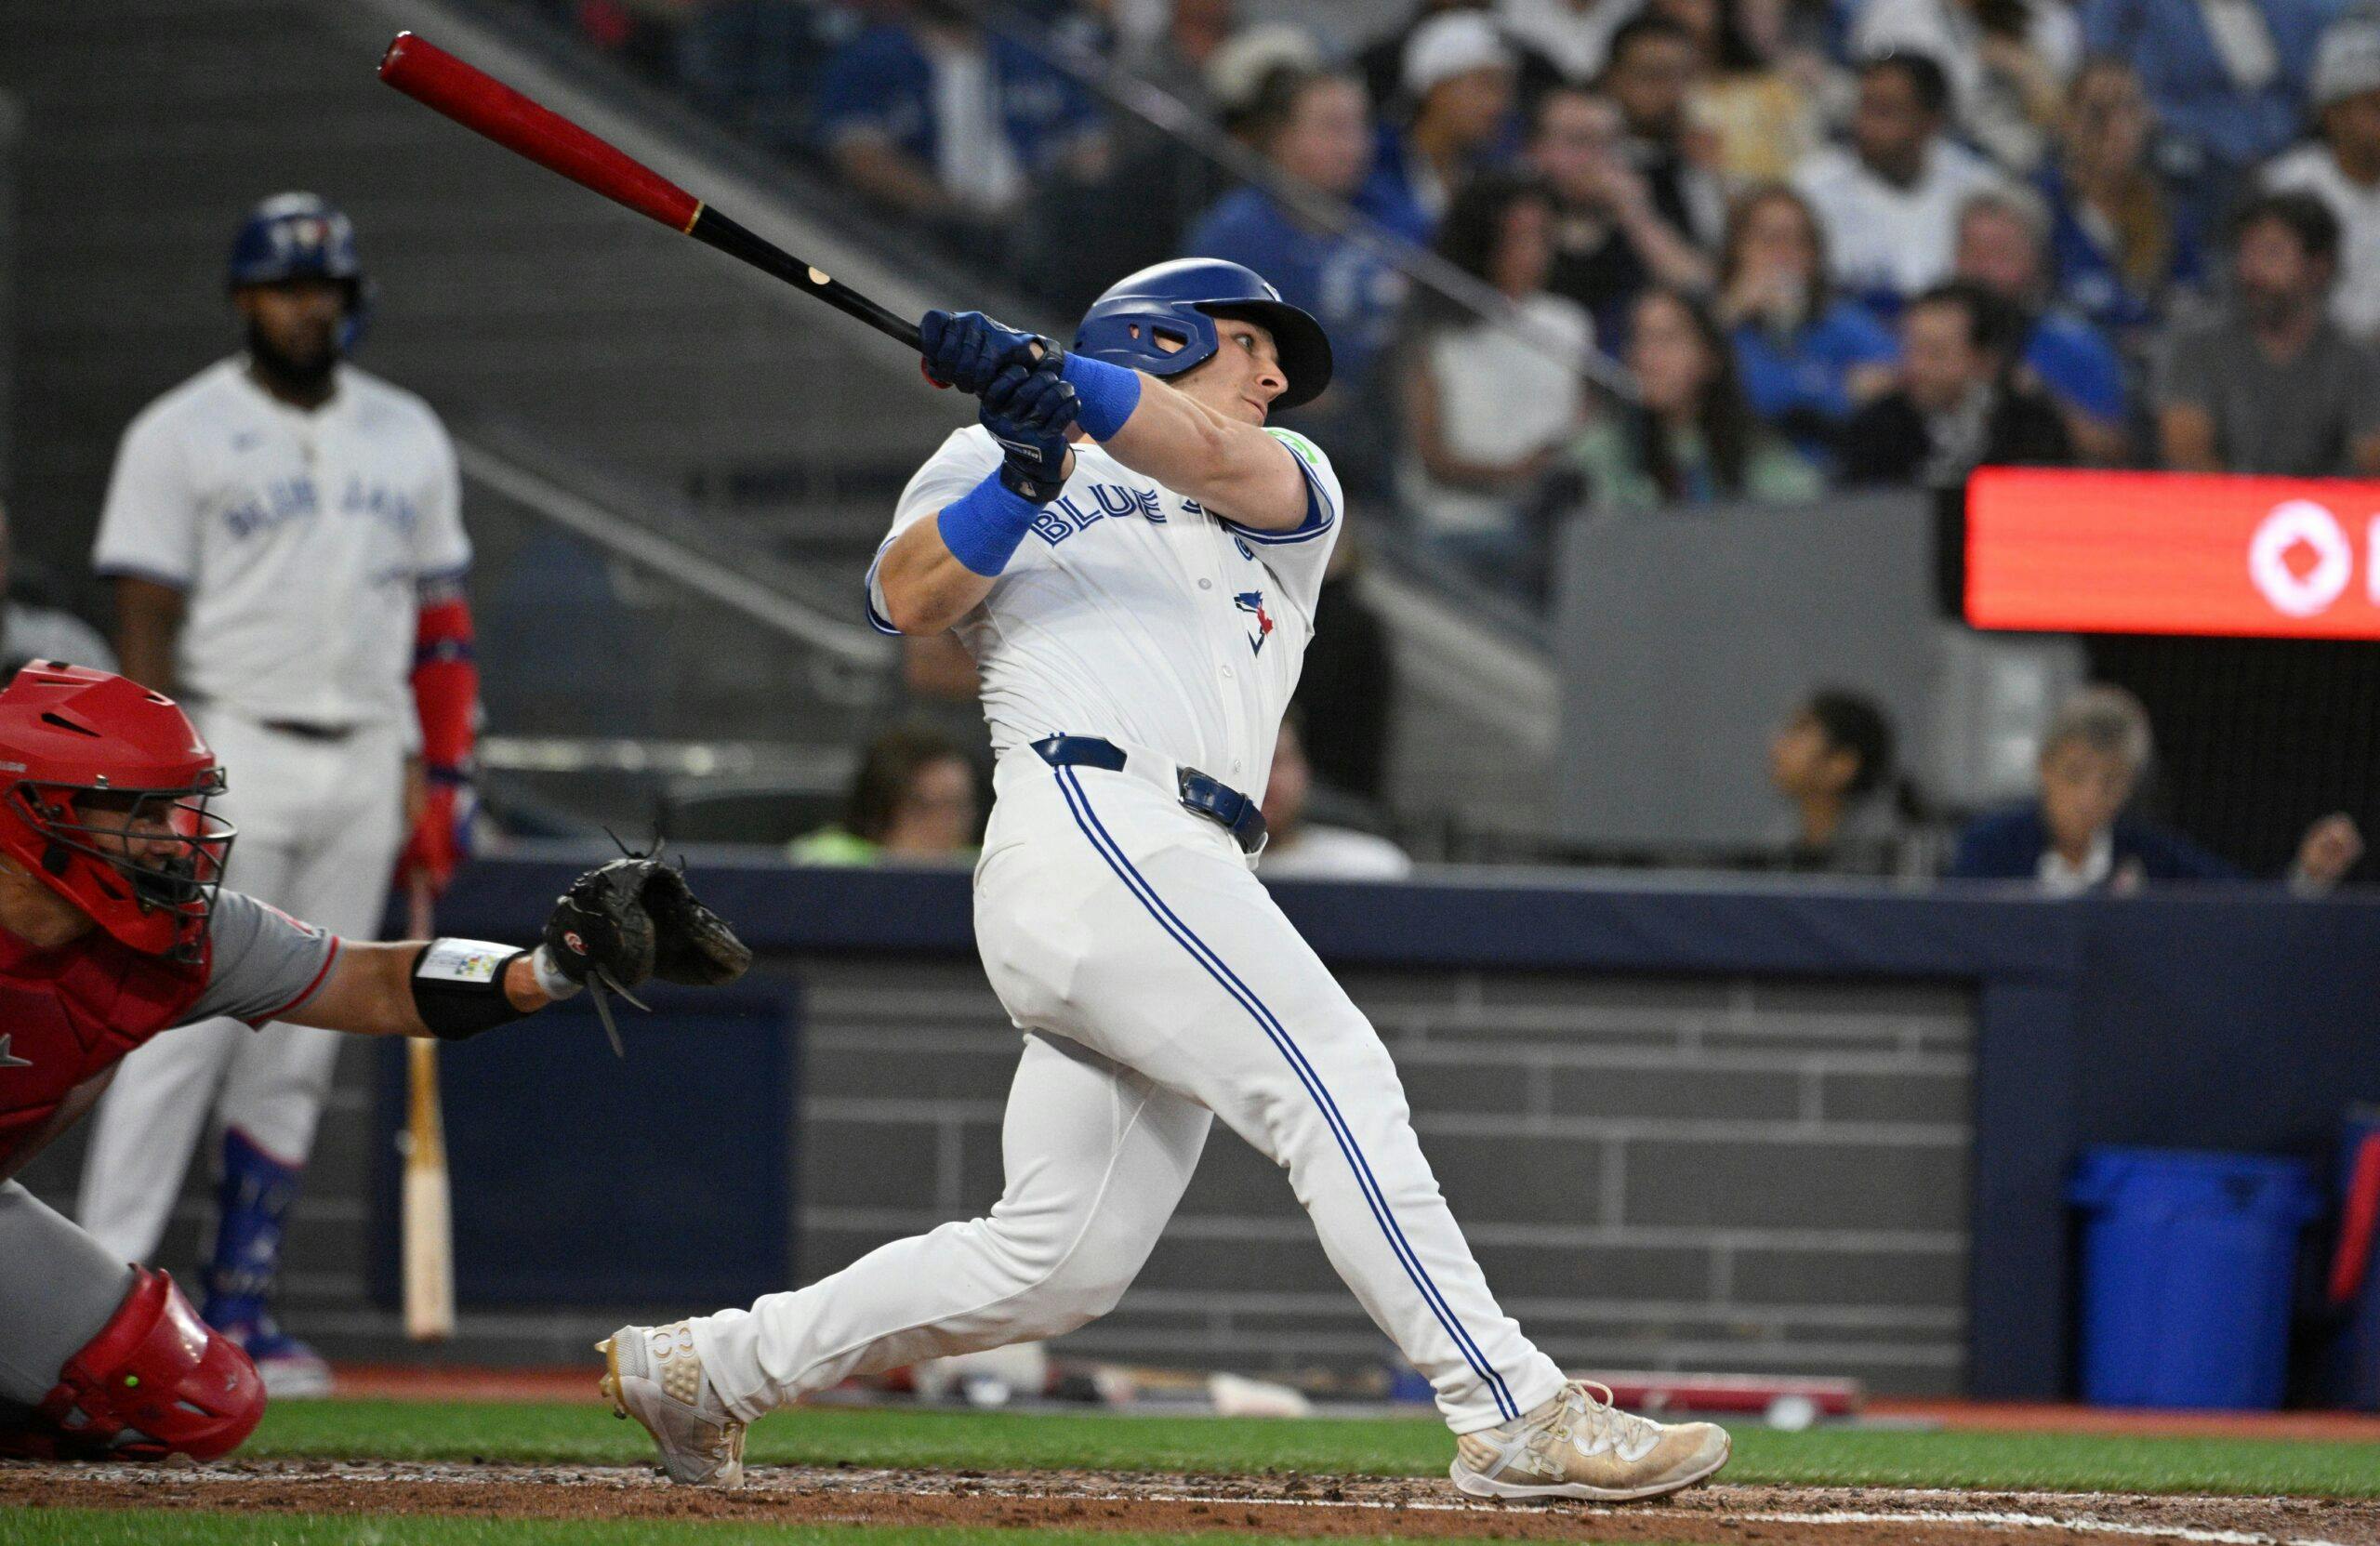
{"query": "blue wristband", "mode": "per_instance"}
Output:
(1106, 394)
(982, 527)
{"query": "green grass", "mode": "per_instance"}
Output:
(164, 1527)
(996, 1441)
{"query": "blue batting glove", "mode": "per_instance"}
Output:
(967, 349)
(1029, 409)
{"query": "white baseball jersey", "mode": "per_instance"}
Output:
(1130, 613)
(300, 538)
(1160, 985)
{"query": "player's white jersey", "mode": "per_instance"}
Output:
(299, 540)
(1130, 613)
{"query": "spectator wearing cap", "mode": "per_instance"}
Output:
(1381, 62)
(2077, 838)
(2121, 244)
(1610, 239)
(2228, 78)
(1239, 73)
(2342, 169)
(1573, 36)
(928, 115)
(1829, 761)
(1651, 75)
(2008, 62)
(1890, 199)
(1459, 79)
(2273, 385)
(2004, 237)
(1809, 359)
(1960, 404)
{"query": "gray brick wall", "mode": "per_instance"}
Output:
(1710, 1174)
(1657, 1174)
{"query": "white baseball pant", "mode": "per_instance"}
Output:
(1159, 983)
(320, 824)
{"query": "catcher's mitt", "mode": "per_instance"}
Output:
(691, 943)
(634, 918)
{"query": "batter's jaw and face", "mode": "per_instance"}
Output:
(292, 329)
(1243, 377)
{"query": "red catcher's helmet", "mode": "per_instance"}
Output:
(105, 786)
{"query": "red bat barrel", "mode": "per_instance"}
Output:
(477, 100)
(480, 102)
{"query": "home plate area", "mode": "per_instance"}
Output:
(1279, 1504)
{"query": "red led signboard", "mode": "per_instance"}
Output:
(2172, 552)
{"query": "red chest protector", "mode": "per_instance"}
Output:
(69, 1013)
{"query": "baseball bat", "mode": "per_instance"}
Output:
(481, 103)
(427, 1206)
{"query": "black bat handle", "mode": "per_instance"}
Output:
(713, 229)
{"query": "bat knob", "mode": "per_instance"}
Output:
(932, 379)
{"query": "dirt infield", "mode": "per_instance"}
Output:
(1284, 1504)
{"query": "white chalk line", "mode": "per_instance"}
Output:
(1964, 1519)
(852, 1485)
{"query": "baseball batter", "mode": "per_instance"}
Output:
(113, 929)
(1133, 556)
(286, 541)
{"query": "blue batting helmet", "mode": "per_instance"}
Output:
(1180, 300)
(301, 236)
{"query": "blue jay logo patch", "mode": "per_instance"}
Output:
(1252, 602)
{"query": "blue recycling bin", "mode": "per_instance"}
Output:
(2190, 1266)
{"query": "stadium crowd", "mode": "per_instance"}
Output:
(1641, 254)
(1833, 242)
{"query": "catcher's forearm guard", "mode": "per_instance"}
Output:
(458, 986)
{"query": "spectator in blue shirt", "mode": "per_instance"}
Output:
(2002, 247)
(1809, 358)
(1315, 128)
(929, 115)
(2228, 77)
(2121, 244)
(2077, 838)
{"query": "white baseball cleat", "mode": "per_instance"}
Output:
(652, 1374)
(1578, 1444)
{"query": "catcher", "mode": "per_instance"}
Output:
(113, 928)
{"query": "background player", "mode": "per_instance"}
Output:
(285, 536)
(1139, 605)
(113, 926)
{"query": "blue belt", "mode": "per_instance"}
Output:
(1210, 798)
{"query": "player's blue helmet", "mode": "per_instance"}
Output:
(301, 236)
(1180, 300)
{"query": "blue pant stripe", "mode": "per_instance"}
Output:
(1079, 803)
